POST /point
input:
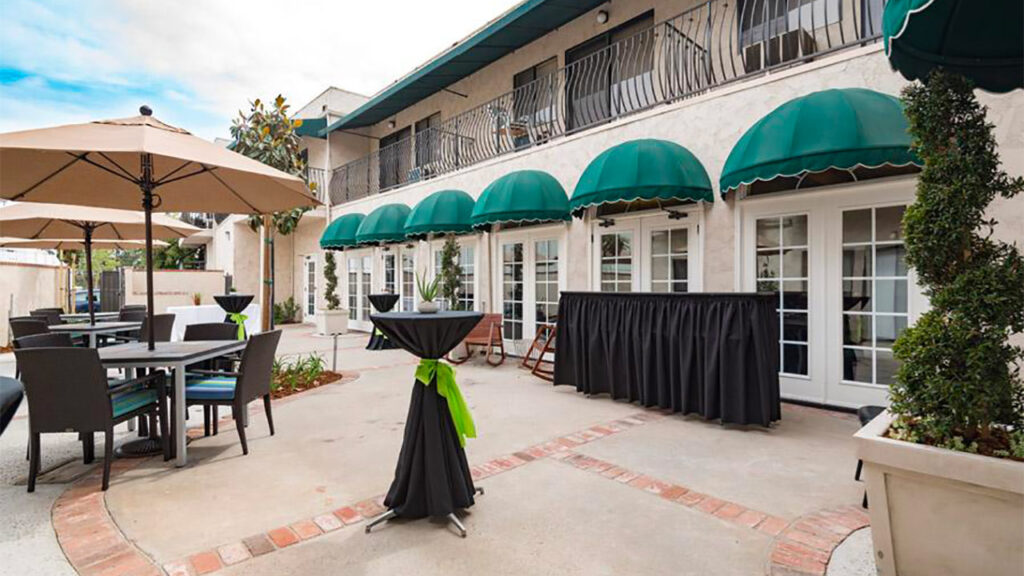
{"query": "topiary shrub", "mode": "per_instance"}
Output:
(959, 383)
(331, 281)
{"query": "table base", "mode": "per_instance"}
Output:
(141, 448)
(453, 520)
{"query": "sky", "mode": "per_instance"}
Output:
(198, 62)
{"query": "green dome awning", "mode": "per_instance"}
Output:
(983, 41)
(641, 170)
(843, 128)
(444, 212)
(385, 224)
(341, 233)
(523, 196)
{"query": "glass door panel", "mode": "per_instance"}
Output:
(783, 268)
(365, 288)
(408, 293)
(670, 260)
(616, 262)
(546, 281)
(512, 288)
(354, 265)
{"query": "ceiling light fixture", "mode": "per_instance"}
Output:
(602, 16)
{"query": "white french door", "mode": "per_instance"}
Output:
(529, 278)
(359, 286)
(835, 258)
(309, 288)
(652, 253)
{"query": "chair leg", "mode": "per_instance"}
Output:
(143, 426)
(860, 464)
(215, 416)
(88, 447)
(206, 420)
(240, 424)
(108, 455)
(864, 502)
(33, 461)
(270, 415)
(165, 442)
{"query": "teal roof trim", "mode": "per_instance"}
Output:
(523, 24)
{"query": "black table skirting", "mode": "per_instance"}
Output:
(432, 477)
(716, 355)
(233, 304)
(381, 303)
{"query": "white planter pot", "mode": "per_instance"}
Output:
(330, 322)
(426, 307)
(937, 512)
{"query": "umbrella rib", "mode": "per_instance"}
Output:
(119, 167)
(232, 190)
(172, 172)
(50, 175)
(102, 167)
(166, 180)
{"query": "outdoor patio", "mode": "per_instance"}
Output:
(574, 485)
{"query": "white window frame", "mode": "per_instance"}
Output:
(437, 244)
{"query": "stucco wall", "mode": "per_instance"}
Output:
(173, 287)
(25, 287)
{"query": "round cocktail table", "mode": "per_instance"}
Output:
(382, 303)
(432, 477)
(234, 305)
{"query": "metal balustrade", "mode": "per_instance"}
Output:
(712, 44)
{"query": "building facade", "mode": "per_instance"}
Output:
(550, 87)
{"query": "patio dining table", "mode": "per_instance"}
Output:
(174, 356)
(94, 330)
(84, 316)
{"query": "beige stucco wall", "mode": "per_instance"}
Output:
(173, 287)
(25, 287)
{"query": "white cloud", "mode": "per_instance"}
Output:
(204, 60)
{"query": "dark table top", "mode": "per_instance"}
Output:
(97, 327)
(167, 352)
(427, 335)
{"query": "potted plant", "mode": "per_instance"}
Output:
(451, 273)
(428, 294)
(197, 299)
(945, 464)
(334, 318)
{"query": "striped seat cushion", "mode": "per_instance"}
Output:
(203, 387)
(125, 402)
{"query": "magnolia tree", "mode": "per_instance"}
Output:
(268, 134)
(959, 383)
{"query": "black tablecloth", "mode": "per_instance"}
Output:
(11, 393)
(716, 355)
(381, 303)
(432, 477)
(233, 304)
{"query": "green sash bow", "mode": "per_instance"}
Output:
(447, 387)
(239, 318)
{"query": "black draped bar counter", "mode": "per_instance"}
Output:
(712, 354)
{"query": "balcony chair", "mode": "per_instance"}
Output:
(865, 414)
(67, 389)
(237, 389)
(486, 334)
(544, 344)
(212, 331)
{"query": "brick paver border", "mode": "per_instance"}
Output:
(95, 546)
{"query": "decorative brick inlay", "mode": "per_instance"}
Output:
(259, 544)
(348, 515)
(282, 537)
(306, 529)
(205, 562)
(233, 553)
(328, 522)
(803, 548)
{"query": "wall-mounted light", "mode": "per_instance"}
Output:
(391, 124)
(602, 16)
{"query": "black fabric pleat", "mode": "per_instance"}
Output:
(715, 355)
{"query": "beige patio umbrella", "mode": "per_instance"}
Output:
(51, 224)
(141, 161)
(73, 244)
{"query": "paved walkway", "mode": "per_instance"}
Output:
(574, 485)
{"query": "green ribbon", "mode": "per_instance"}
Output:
(446, 386)
(239, 318)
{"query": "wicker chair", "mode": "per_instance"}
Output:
(22, 326)
(211, 331)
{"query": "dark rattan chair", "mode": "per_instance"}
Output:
(27, 326)
(48, 340)
(52, 315)
(67, 389)
(164, 324)
(211, 331)
(237, 389)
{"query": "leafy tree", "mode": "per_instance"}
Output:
(451, 272)
(174, 256)
(331, 281)
(959, 383)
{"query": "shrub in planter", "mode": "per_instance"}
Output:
(959, 384)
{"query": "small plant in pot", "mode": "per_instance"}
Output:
(945, 464)
(428, 294)
(334, 318)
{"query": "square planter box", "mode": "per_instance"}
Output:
(938, 512)
(330, 322)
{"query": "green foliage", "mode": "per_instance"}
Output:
(174, 256)
(427, 289)
(331, 281)
(286, 312)
(297, 375)
(451, 272)
(959, 381)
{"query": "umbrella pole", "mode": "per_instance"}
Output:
(88, 275)
(147, 204)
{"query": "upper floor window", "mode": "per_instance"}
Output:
(427, 139)
(761, 20)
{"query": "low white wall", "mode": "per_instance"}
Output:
(25, 287)
(173, 287)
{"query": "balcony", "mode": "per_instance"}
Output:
(713, 44)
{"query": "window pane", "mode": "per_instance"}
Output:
(794, 263)
(794, 326)
(794, 231)
(768, 233)
(607, 287)
(768, 264)
(889, 223)
(857, 329)
(680, 269)
(625, 244)
(659, 242)
(794, 359)
(659, 286)
(794, 295)
(857, 261)
(680, 287)
(857, 295)
(857, 226)
(608, 245)
(887, 367)
(891, 296)
(888, 329)
(659, 268)
(890, 260)
(679, 241)
(857, 365)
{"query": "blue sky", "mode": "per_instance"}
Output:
(197, 62)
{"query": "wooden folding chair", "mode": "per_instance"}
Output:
(487, 334)
(544, 343)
